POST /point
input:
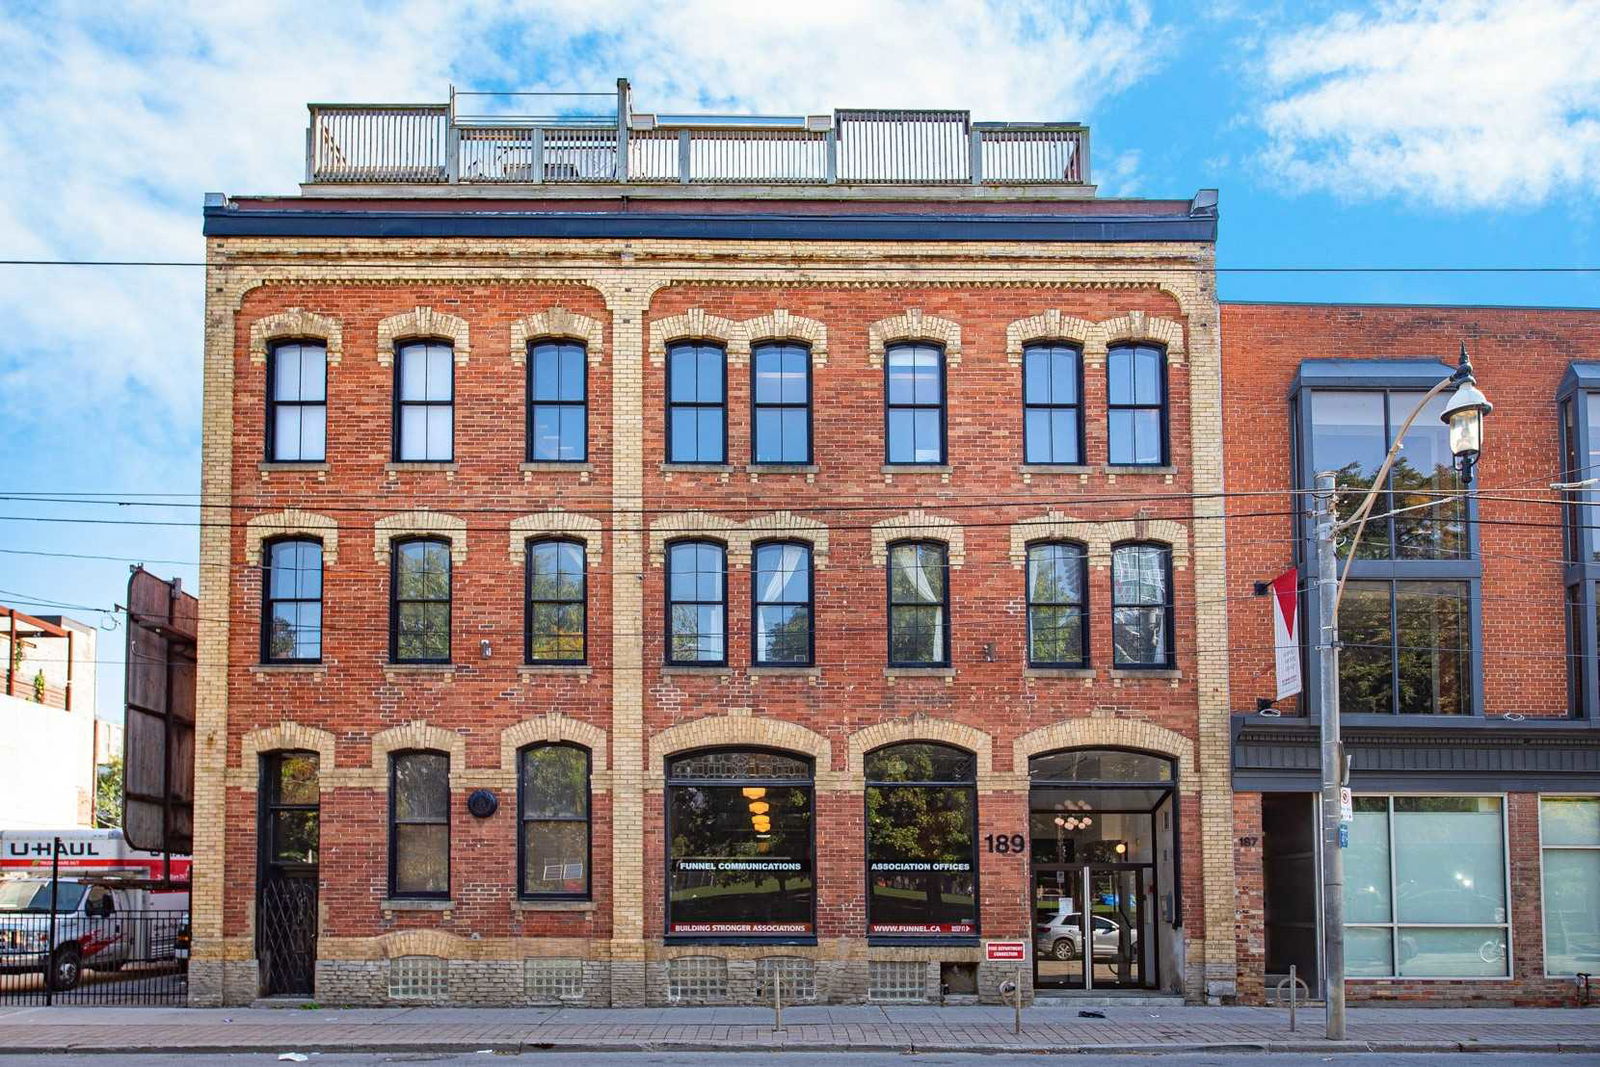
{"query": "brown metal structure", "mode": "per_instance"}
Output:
(158, 739)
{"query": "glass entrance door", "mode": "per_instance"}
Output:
(1092, 927)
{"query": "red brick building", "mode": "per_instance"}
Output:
(1467, 672)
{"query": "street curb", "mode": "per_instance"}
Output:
(502, 1047)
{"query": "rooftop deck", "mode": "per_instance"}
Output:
(496, 145)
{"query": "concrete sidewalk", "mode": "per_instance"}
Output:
(871, 1028)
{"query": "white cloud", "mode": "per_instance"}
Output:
(119, 117)
(1458, 103)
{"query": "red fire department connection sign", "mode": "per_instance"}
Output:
(1005, 951)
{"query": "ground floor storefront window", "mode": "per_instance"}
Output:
(1569, 833)
(741, 852)
(922, 804)
(1425, 888)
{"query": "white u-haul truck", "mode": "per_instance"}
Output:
(114, 905)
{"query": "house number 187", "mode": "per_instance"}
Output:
(1005, 842)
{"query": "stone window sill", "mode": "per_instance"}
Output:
(919, 672)
(287, 668)
(696, 668)
(1125, 673)
(784, 672)
(1056, 468)
(286, 466)
(1058, 672)
(555, 467)
(781, 468)
(915, 468)
(1138, 469)
(553, 905)
(395, 670)
(401, 904)
(449, 466)
(691, 468)
(534, 670)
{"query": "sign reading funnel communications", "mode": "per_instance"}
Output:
(158, 738)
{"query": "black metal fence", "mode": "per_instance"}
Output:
(124, 957)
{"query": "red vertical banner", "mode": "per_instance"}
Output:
(1286, 631)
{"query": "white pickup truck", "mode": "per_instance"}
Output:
(104, 917)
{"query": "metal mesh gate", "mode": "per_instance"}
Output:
(286, 935)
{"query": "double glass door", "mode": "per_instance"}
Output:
(1091, 926)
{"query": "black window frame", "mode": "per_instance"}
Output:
(1081, 551)
(523, 893)
(757, 406)
(1043, 346)
(394, 891)
(890, 605)
(534, 405)
(757, 603)
(942, 407)
(1578, 398)
(270, 435)
(667, 551)
(1163, 408)
(1353, 651)
(809, 784)
(528, 600)
(268, 600)
(270, 804)
(970, 786)
(395, 600)
(1167, 607)
(1382, 376)
(694, 346)
(400, 405)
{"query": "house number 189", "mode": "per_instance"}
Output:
(1005, 842)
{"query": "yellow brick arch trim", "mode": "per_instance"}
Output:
(919, 728)
(1095, 337)
(294, 323)
(391, 528)
(421, 943)
(286, 736)
(697, 324)
(420, 323)
(913, 325)
(917, 525)
(418, 735)
(585, 528)
(787, 526)
(699, 525)
(557, 323)
(726, 731)
(1051, 526)
(553, 726)
(288, 522)
(1051, 325)
(780, 325)
(1142, 326)
(1107, 535)
(1133, 734)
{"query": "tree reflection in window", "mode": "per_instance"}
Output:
(921, 801)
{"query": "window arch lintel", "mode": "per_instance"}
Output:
(423, 323)
(912, 326)
(420, 524)
(296, 324)
(554, 526)
(288, 524)
(557, 323)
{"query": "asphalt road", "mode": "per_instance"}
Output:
(813, 1059)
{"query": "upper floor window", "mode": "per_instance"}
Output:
(1136, 394)
(1404, 648)
(419, 824)
(915, 403)
(1351, 432)
(557, 602)
(697, 412)
(781, 400)
(1052, 400)
(297, 402)
(1141, 606)
(419, 622)
(1057, 631)
(782, 604)
(553, 791)
(558, 409)
(424, 402)
(919, 605)
(697, 603)
(1579, 397)
(292, 602)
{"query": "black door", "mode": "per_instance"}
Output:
(286, 897)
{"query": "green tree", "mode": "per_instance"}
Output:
(108, 794)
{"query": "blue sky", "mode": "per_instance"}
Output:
(1340, 134)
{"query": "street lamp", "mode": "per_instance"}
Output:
(1464, 415)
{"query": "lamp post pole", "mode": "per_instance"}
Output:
(1332, 762)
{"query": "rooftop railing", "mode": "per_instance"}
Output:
(439, 144)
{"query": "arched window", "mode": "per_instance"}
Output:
(1052, 404)
(1136, 392)
(914, 403)
(922, 825)
(741, 850)
(697, 603)
(782, 598)
(297, 402)
(1141, 605)
(697, 406)
(558, 406)
(291, 603)
(919, 604)
(557, 622)
(419, 824)
(553, 799)
(780, 395)
(1058, 632)
(419, 618)
(425, 398)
